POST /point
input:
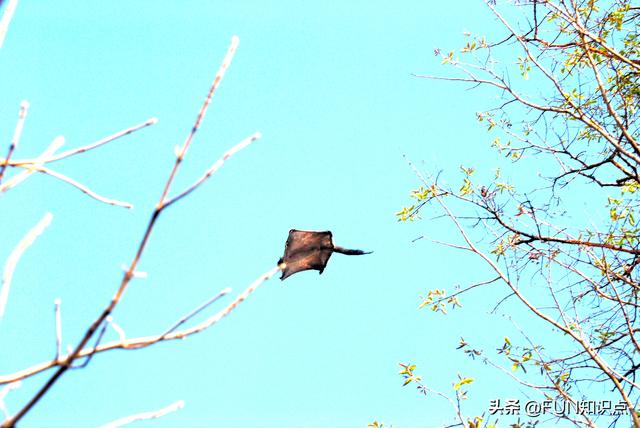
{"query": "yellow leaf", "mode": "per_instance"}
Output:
(462, 382)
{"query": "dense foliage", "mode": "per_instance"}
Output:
(568, 77)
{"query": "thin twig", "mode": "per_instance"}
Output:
(464, 290)
(14, 257)
(103, 330)
(24, 107)
(146, 415)
(182, 151)
(196, 311)
(56, 304)
(36, 166)
(4, 392)
(84, 189)
(117, 328)
(19, 178)
(143, 342)
(6, 19)
(10, 423)
(226, 311)
(120, 134)
(241, 145)
(448, 244)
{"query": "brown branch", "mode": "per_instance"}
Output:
(464, 290)
(145, 341)
(574, 21)
(593, 354)
(607, 102)
(19, 178)
(84, 189)
(577, 114)
(24, 107)
(195, 312)
(182, 151)
(35, 165)
(216, 166)
(101, 142)
(78, 150)
(11, 422)
(532, 238)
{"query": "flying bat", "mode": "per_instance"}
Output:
(306, 249)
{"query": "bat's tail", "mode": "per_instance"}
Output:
(349, 252)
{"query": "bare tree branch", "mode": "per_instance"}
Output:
(143, 342)
(146, 415)
(15, 256)
(24, 107)
(129, 274)
(6, 19)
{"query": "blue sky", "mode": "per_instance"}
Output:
(329, 86)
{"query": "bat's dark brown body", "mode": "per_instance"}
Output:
(307, 250)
